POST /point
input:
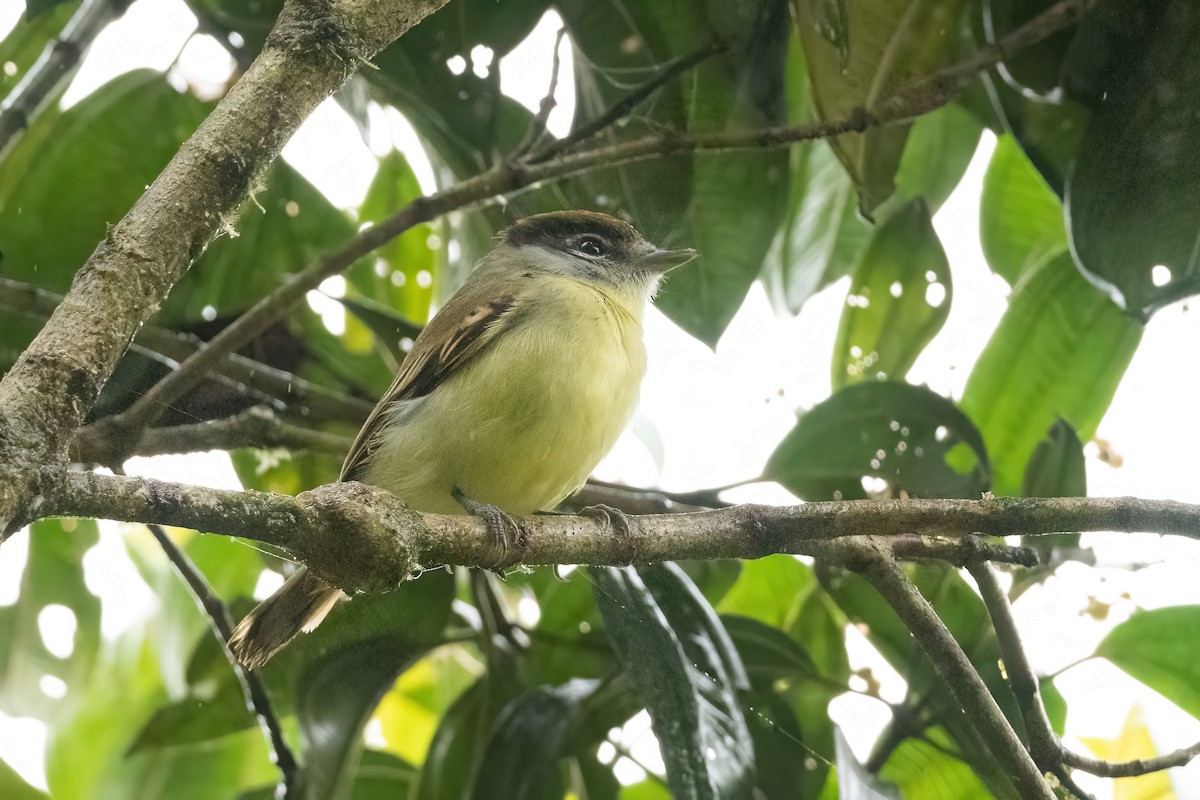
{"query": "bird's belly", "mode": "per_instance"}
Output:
(521, 428)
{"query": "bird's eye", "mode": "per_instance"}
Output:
(591, 246)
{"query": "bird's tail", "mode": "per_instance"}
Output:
(299, 605)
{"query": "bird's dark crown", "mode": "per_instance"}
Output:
(557, 228)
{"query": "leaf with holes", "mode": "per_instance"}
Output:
(898, 300)
(907, 437)
(1133, 193)
(38, 681)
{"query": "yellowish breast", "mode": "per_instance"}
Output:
(525, 423)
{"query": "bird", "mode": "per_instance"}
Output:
(508, 399)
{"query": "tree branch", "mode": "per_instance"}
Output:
(54, 66)
(257, 699)
(957, 671)
(256, 427)
(1046, 748)
(362, 538)
(253, 379)
(509, 176)
(312, 49)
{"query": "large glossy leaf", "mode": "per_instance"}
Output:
(861, 53)
(52, 582)
(1033, 70)
(727, 207)
(820, 628)
(902, 434)
(1160, 648)
(854, 782)
(1020, 218)
(75, 172)
(340, 672)
(537, 729)
(898, 300)
(1132, 194)
(1059, 352)
(686, 672)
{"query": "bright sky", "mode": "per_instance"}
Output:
(764, 369)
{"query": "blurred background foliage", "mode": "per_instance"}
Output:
(1088, 211)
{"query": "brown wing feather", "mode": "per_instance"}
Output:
(458, 331)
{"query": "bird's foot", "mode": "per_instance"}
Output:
(618, 522)
(501, 525)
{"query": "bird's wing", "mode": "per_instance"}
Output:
(465, 326)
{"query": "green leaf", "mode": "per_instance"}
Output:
(821, 234)
(920, 769)
(395, 279)
(1020, 217)
(14, 787)
(75, 172)
(278, 231)
(1160, 648)
(537, 729)
(453, 759)
(1132, 195)
(687, 673)
(1056, 468)
(26, 41)
(905, 435)
(196, 719)
(388, 327)
(342, 670)
(1059, 352)
(784, 766)
(87, 753)
(382, 776)
(1055, 705)
(728, 208)
(939, 149)
(890, 313)
(1048, 133)
(1036, 69)
(53, 578)
(768, 653)
(769, 589)
(860, 53)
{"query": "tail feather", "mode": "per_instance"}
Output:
(298, 606)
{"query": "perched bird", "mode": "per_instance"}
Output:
(508, 399)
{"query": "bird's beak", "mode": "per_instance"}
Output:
(661, 261)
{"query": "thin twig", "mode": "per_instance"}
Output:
(257, 427)
(258, 701)
(952, 664)
(260, 382)
(537, 127)
(626, 104)
(1130, 769)
(509, 176)
(54, 66)
(1043, 743)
